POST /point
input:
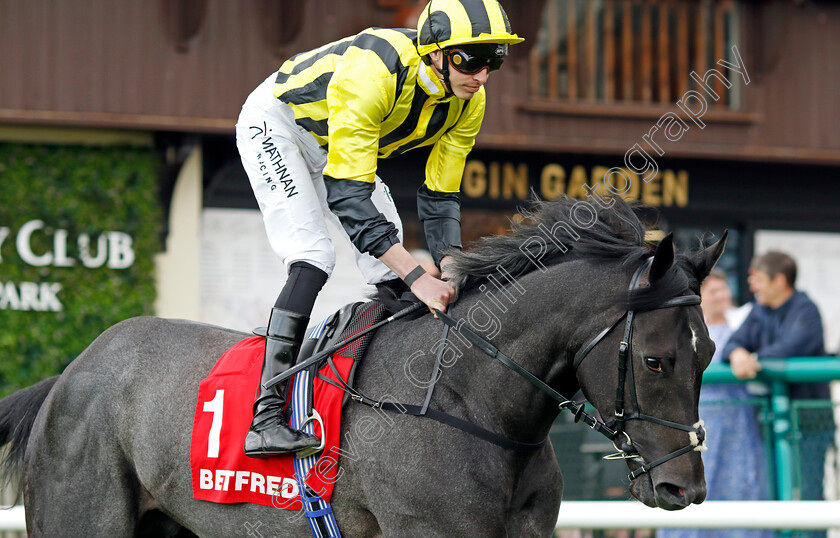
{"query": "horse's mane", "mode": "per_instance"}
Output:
(617, 234)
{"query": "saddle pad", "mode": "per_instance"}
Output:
(221, 472)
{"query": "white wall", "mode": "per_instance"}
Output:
(241, 276)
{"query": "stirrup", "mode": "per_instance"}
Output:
(306, 452)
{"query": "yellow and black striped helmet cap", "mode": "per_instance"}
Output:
(449, 23)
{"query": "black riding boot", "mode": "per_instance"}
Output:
(270, 432)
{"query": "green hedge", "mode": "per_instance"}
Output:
(83, 190)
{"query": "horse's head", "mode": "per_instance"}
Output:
(645, 349)
(666, 348)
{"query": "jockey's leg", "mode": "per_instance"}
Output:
(270, 432)
(281, 161)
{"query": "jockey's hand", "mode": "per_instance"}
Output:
(433, 292)
(436, 294)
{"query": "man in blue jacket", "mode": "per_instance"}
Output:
(783, 323)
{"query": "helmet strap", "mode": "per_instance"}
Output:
(445, 70)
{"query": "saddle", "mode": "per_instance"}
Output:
(347, 322)
(223, 413)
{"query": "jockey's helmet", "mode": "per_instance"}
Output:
(476, 24)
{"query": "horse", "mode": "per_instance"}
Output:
(103, 448)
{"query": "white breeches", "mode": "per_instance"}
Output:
(285, 164)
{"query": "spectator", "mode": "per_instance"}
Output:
(735, 462)
(785, 323)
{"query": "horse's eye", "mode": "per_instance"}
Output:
(653, 363)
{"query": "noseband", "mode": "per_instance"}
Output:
(625, 366)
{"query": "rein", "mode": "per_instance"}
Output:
(625, 365)
(563, 403)
(696, 432)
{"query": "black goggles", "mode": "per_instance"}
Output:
(470, 64)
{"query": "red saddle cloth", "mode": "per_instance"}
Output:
(221, 472)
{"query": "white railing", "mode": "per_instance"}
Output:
(709, 515)
(635, 515)
(12, 518)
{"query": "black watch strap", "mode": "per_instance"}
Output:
(415, 273)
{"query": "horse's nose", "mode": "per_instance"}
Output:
(673, 497)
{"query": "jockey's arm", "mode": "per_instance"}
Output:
(433, 292)
(370, 232)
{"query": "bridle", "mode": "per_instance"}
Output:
(614, 429)
(625, 367)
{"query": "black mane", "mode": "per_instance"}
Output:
(616, 235)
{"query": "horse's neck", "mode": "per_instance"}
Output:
(536, 322)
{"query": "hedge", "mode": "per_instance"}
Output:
(85, 191)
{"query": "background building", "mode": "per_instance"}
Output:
(718, 114)
(721, 113)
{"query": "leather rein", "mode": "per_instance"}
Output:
(613, 430)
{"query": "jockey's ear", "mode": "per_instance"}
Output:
(663, 259)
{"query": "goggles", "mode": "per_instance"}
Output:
(470, 64)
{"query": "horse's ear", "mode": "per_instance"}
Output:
(709, 256)
(663, 259)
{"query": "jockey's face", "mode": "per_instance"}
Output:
(463, 85)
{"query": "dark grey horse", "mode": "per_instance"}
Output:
(103, 449)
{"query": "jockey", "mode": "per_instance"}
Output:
(309, 137)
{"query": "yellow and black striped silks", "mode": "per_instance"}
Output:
(371, 96)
